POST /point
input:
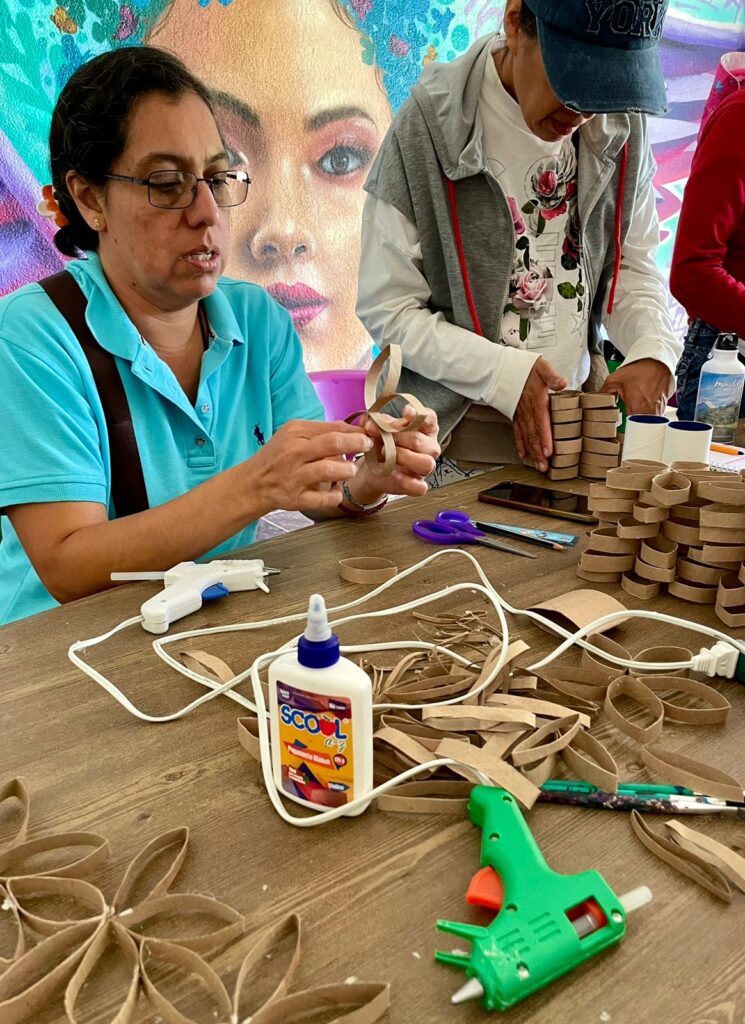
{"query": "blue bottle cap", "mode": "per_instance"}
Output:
(318, 653)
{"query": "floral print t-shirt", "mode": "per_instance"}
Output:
(546, 307)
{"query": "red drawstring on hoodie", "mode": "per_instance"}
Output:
(462, 256)
(619, 214)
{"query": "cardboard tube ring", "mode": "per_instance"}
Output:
(591, 472)
(732, 617)
(725, 517)
(731, 592)
(653, 573)
(563, 473)
(722, 491)
(599, 431)
(602, 446)
(670, 488)
(596, 400)
(634, 476)
(390, 374)
(600, 505)
(681, 532)
(369, 571)
(564, 461)
(644, 513)
(570, 447)
(630, 529)
(631, 686)
(679, 770)
(595, 561)
(698, 593)
(642, 590)
(566, 415)
(566, 431)
(663, 654)
(659, 551)
(610, 415)
(592, 762)
(597, 577)
(601, 671)
(560, 400)
(715, 707)
(721, 535)
(607, 541)
(690, 511)
(695, 572)
(723, 553)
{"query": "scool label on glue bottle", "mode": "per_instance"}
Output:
(316, 752)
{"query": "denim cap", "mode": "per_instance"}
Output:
(602, 56)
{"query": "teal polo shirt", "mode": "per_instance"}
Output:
(55, 444)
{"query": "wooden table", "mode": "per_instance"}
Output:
(369, 890)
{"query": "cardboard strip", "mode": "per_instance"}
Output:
(18, 940)
(730, 592)
(191, 965)
(564, 400)
(697, 593)
(501, 773)
(631, 529)
(563, 473)
(633, 476)
(653, 573)
(600, 505)
(732, 617)
(642, 590)
(369, 571)
(723, 553)
(109, 934)
(649, 513)
(566, 415)
(176, 839)
(566, 431)
(14, 861)
(597, 577)
(726, 491)
(716, 706)
(14, 789)
(666, 654)
(254, 962)
(684, 771)
(694, 572)
(33, 888)
(597, 400)
(606, 541)
(681, 860)
(591, 762)
(731, 864)
(549, 739)
(564, 461)
(681, 531)
(600, 671)
(721, 535)
(670, 489)
(476, 717)
(604, 431)
(602, 446)
(690, 510)
(659, 551)
(592, 472)
(631, 686)
(595, 561)
(573, 446)
(540, 708)
(727, 517)
(358, 1003)
(430, 797)
(599, 415)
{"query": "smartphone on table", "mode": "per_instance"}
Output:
(544, 500)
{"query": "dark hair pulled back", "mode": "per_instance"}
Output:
(90, 123)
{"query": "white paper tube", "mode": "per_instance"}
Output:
(644, 438)
(687, 441)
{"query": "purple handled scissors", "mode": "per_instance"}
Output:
(453, 527)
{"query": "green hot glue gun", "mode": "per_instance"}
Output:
(546, 923)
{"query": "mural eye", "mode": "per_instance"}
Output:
(343, 160)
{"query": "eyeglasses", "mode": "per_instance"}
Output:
(177, 190)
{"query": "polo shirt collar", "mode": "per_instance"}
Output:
(113, 329)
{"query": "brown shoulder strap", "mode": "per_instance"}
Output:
(127, 482)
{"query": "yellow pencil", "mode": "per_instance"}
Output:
(726, 449)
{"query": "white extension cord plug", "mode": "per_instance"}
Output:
(719, 660)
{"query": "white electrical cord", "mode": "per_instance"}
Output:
(216, 689)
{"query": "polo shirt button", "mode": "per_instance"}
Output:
(199, 441)
(205, 408)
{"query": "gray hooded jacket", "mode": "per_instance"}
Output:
(437, 134)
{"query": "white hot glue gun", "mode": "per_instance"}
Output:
(188, 584)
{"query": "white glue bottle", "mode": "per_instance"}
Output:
(720, 389)
(321, 721)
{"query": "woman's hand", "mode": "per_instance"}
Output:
(296, 468)
(416, 452)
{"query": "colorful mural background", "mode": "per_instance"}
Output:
(42, 44)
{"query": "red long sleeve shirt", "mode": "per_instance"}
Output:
(708, 269)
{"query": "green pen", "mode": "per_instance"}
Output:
(630, 788)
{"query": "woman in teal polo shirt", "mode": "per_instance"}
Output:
(226, 421)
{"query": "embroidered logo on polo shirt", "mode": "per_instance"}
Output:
(258, 434)
(640, 18)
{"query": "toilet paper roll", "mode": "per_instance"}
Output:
(686, 440)
(644, 438)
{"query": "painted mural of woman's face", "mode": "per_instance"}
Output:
(294, 96)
